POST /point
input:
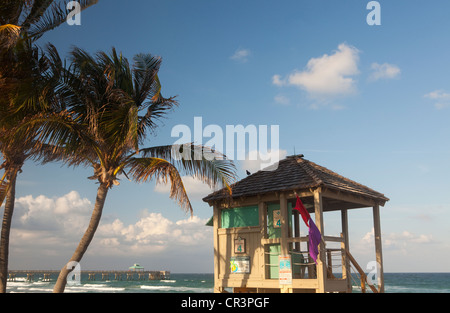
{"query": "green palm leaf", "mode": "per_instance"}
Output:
(47, 15)
(111, 110)
(198, 161)
(162, 171)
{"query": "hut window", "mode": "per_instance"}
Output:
(274, 220)
(240, 217)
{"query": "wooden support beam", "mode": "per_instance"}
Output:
(321, 266)
(284, 224)
(296, 218)
(284, 235)
(216, 226)
(262, 209)
(348, 197)
(345, 246)
(254, 200)
(378, 247)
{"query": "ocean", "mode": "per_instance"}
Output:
(203, 283)
(177, 283)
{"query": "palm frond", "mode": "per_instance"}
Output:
(162, 171)
(36, 82)
(146, 81)
(11, 10)
(52, 153)
(58, 137)
(120, 73)
(37, 10)
(119, 126)
(9, 35)
(155, 112)
(199, 161)
(45, 18)
(148, 92)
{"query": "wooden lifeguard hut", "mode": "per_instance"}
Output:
(258, 246)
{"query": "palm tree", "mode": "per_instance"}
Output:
(31, 19)
(112, 108)
(25, 90)
(29, 90)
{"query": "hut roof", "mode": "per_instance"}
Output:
(295, 173)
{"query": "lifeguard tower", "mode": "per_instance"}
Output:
(258, 246)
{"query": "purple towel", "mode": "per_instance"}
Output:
(314, 240)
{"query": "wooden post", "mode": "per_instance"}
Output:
(296, 229)
(378, 246)
(262, 210)
(284, 235)
(29, 277)
(345, 246)
(12, 277)
(284, 224)
(216, 220)
(321, 264)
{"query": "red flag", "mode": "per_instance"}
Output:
(301, 208)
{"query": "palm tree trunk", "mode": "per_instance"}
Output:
(6, 228)
(86, 240)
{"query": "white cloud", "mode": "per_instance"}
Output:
(149, 229)
(328, 75)
(66, 212)
(49, 229)
(406, 237)
(280, 99)
(384, 71)
(441, 97)
(402, 242)
(276, 80)
(438, 94)
(153, 233)
(195, 188)
(241, 55)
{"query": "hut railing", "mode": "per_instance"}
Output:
(339, 261)
(303, 266)
(362, 274)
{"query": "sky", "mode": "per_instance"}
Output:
(370, 102)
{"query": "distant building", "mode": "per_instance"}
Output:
(136, 268)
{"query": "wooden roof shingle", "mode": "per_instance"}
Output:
(295, 173)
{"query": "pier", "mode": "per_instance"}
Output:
(104, 275)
